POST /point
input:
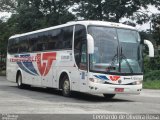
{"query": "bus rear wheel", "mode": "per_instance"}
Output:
(66, 87)
(19, 81)
(109, 96)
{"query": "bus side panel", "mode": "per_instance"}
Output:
(26, 78)
(36, 77)
(48, 59)
(11, 68)
(65, 63)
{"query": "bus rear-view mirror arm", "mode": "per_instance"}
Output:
(151, 48)
(90, 43)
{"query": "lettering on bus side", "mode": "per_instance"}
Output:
(65, 58)
(44, 62)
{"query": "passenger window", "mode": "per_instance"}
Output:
(33, 39)
(23, 45)
(51, 43)
(15, 45)
(49, 40)
(67, 37)
(10, 45)
(55, 38)
(41, 43)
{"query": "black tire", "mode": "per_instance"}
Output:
(66, 87)
(19, 81)
(109, 96)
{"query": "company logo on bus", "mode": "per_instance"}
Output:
(114, 78)
(43, 60)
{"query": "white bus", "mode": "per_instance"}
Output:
(86, 56)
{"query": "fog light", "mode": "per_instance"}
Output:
(137, 82)
(95, 80)
(91, 79)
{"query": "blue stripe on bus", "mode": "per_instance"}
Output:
(102, 77)
(23, 68)
(29, 65)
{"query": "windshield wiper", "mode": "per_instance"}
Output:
(113, 61)
(125, 58)
(122, 56)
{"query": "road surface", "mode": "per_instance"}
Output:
(49, 101)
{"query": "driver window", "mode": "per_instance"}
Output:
(80, 47)
(83, 62)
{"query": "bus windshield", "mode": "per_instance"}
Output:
(116, 50)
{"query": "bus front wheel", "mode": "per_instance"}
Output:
(109, 96)
(66, 87)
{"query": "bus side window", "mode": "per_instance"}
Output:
(16, 45)
(54, 36)
(11, 46)
(23, 45)
(67, 37)
(32, 43)
(80, 47)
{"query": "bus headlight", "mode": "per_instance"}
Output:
(138, 82)
(96, 80)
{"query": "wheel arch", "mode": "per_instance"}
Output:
(63, 74)
(18, 72)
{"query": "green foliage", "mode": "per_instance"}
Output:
(36, 14)
(151, 68)
(156, 28)
(151, 84)
(28, 19)
(113, 10)
(7, 5)
(4, 35)
(152, 65)
(152, 75)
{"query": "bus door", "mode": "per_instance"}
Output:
(80, 56)
(79, 72)
(83, 67)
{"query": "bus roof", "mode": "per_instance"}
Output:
(86, 23)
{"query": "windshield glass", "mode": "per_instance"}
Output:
(116, 50)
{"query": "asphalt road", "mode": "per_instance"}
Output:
(49, 101)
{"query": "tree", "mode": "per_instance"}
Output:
(111, 10)
(156, 28)
(6, 30)
(7, 5)
(35, 14)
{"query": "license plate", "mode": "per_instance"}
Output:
(119, 89)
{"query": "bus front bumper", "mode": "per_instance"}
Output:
(98, 88)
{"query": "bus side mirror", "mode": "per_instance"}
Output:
(90, 42)
(151, 48)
